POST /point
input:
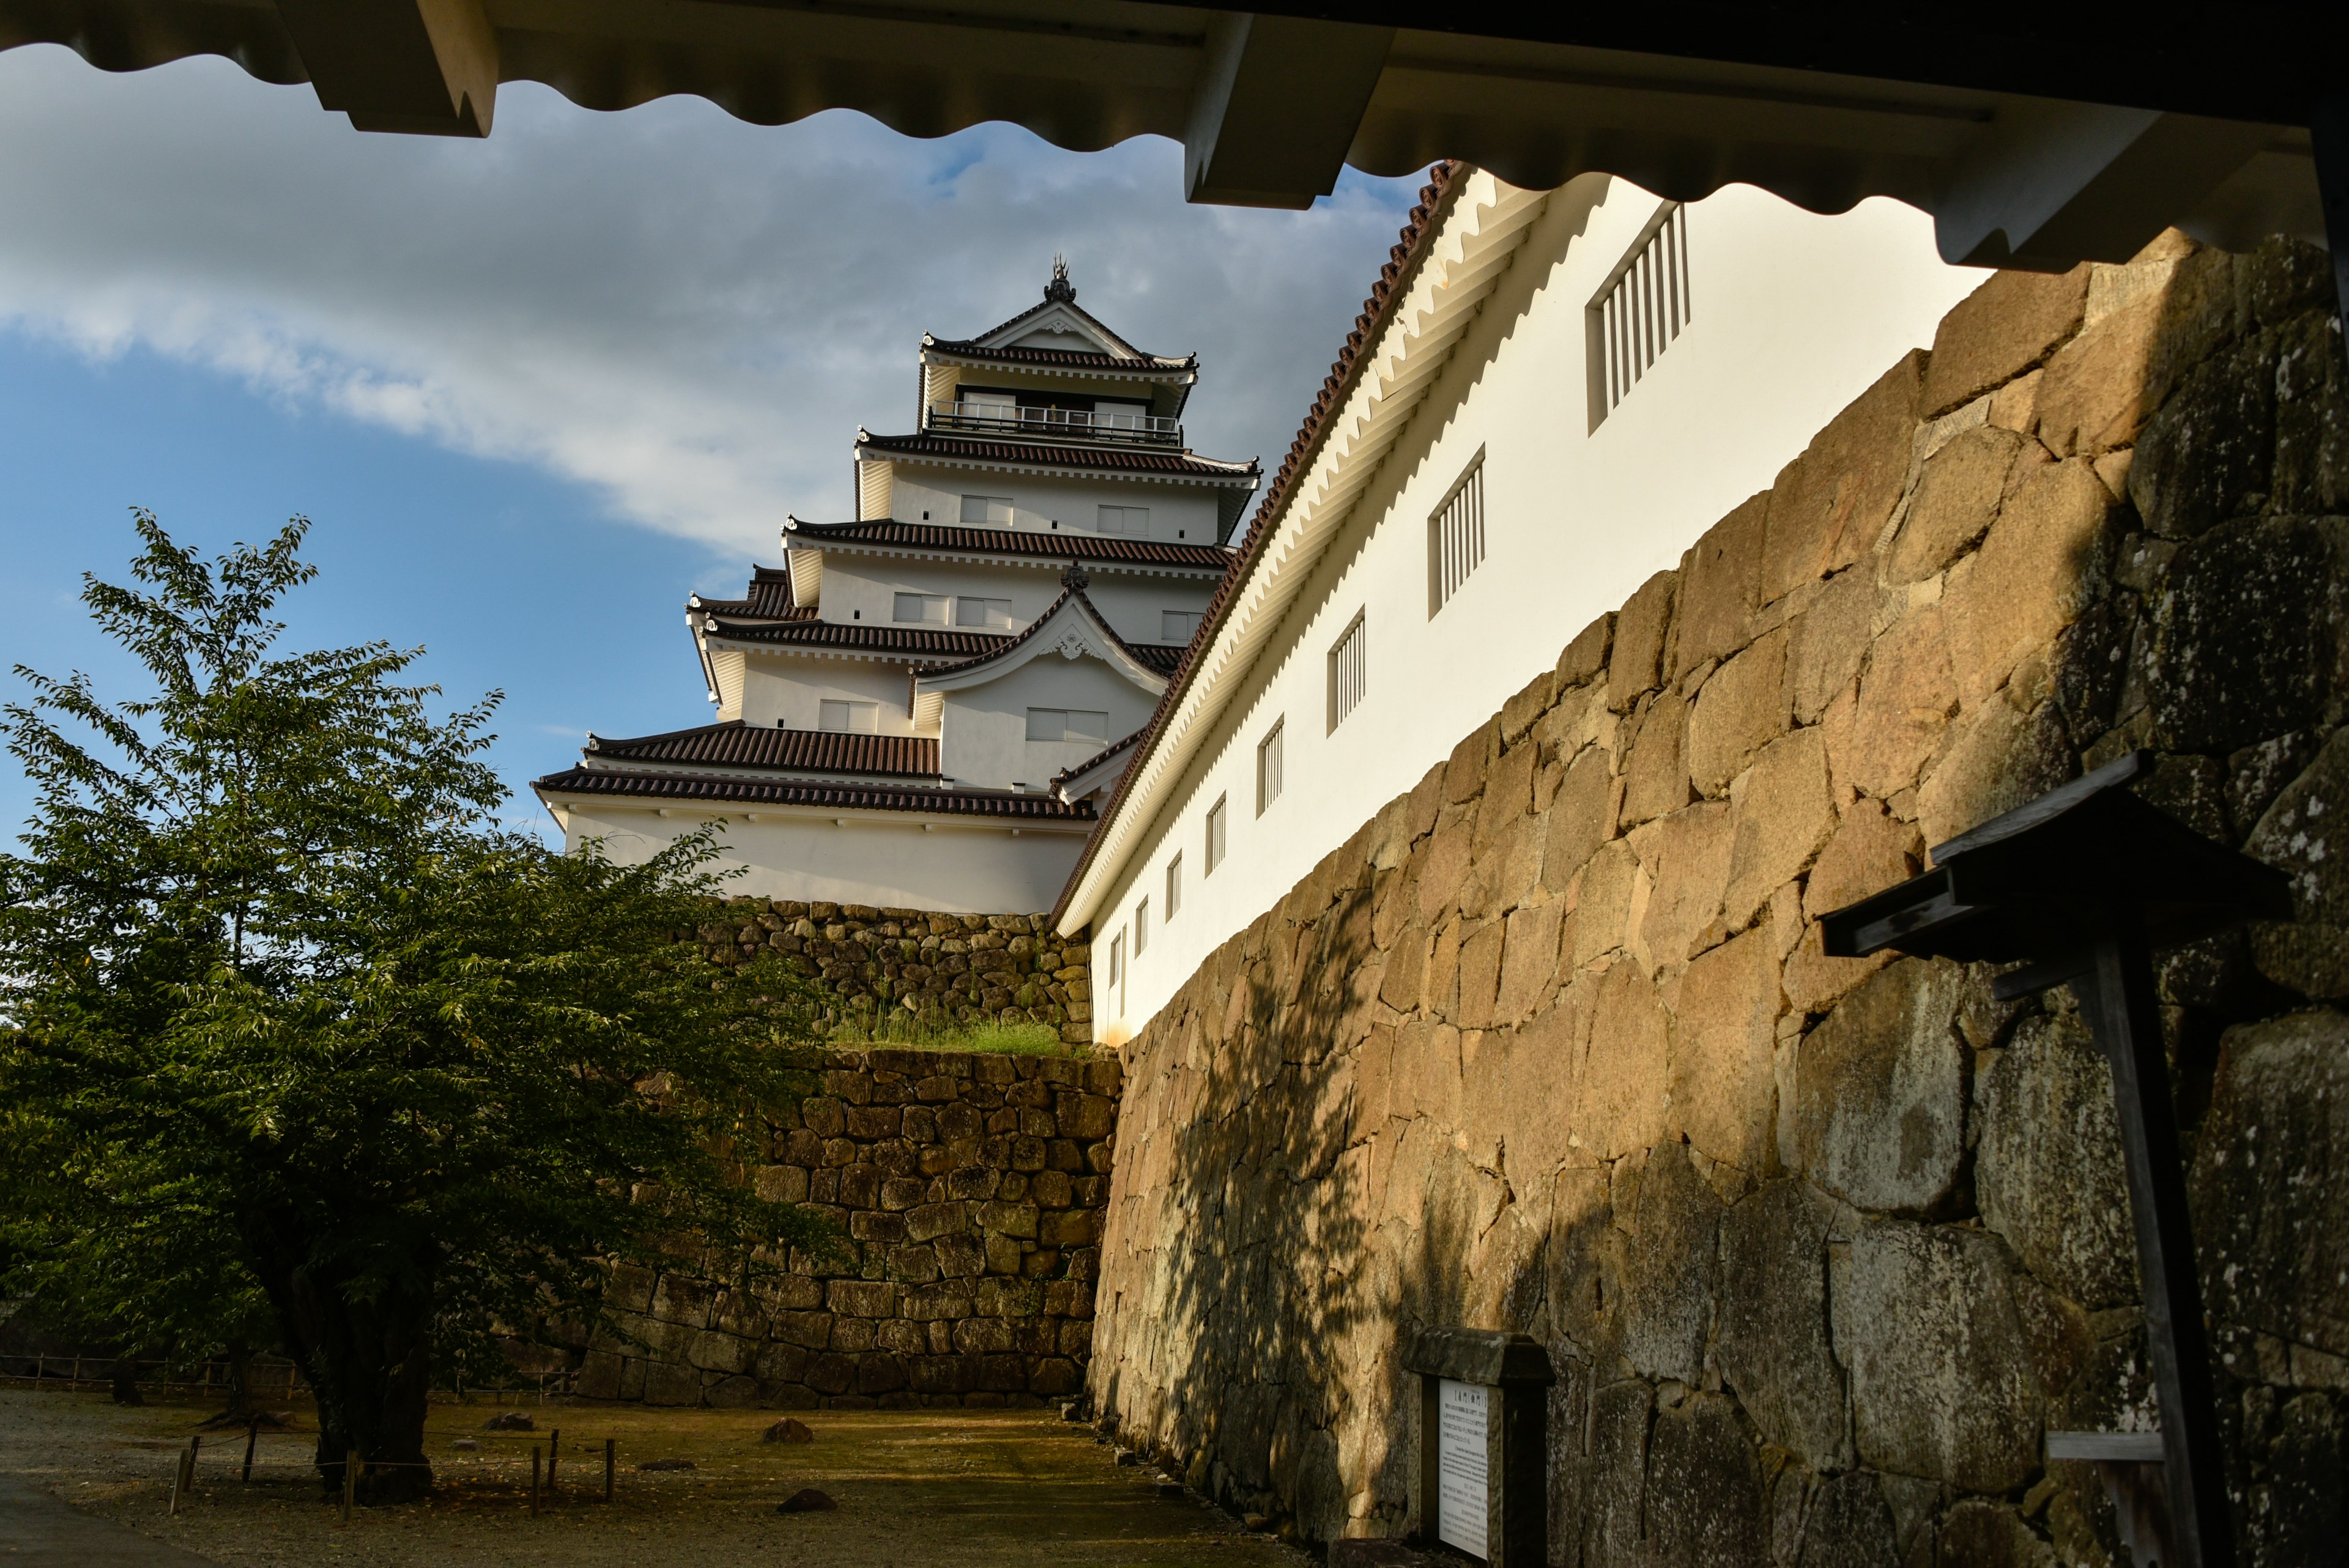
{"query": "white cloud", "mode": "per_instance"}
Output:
(691, 314)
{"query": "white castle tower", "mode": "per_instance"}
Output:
(923, 706)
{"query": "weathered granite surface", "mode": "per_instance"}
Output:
(1819, 1247)
(969, 1188)
(870, 964)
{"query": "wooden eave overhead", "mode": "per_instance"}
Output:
(2035, 136)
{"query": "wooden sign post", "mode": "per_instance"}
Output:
(1483, 1427)
(2081, 885)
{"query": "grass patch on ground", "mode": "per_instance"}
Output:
(905, 1032)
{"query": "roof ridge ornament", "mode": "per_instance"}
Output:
(1075, 578)
(1061, 288)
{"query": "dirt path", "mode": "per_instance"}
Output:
(948, 1487)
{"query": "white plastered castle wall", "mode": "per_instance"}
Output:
(865, 588)
(886, 858)
(788, 691)
(984, 731)
(1179, 513)
(1794, 315)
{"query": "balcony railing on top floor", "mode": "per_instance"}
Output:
(1056, 424)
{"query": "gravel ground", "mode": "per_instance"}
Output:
(948, 1487)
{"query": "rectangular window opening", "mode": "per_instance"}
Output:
(1174, 886)
(922, 608)
(1178, 625)
(1141, 927)
(1348, 672)
(1131, 520)
(1639, 311)
(1068, 724)
(1455, 535)
(993, 615)
(1267, 767)
(992, 510)
(849, 717)
(1215, 834)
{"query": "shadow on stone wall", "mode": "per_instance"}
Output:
(1821, 1248)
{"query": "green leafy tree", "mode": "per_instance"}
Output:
(292, 1029)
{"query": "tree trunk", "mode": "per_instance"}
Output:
(240, 1378)
(368, 1354)
(126, 1379)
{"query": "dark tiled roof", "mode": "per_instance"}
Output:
(1120, 459)
(1445, 181)
(612, 783)
(1095, 760)
(915, 642)
(1056, 545)
(1061, 358)
(768, 598)
(1157, 658)
(974, 347)
(734, 744)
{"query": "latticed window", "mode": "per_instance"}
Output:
(1215, 834)
(1267, 768)
(1634, 318)
(1455, 535)
(1349, 673)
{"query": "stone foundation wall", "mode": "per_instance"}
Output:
(969, 1188)
(1820, 1247)
(945, 968)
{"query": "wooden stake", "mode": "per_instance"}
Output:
(350, 1482)
(554, 1452)
(536, 1453)
(611, 1447)
(179, 1474)
(251, 1436)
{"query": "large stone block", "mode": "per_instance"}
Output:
(1721, 587)
(2000, 759)
(2312, 452)
(1981, 1534)
(1943, 1384)
(1722, 1033)
(2048, 1173)
(1599, 902)
(2041, 565)
(1742, 708)
(1581, 817)
(1879, 1115)
(1871, 850)
(1848, 1525)
(2248, 639)
(1625, 1071)
(1669, 1263)
(1772, 1345)
(1827, 641)
(2001, 330)
(1687, 855)
(2271, 1181)
(2209, 447)
(1704, 1486)
(1906, 699)
(2101, 388)
(1956, 499)
(1784, 814)
(1830, 504)
(1641, 628)
(1620, 1417)
(1528, 962)
(2295, 836)
(1655, 773)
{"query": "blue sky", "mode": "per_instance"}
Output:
(532, 391)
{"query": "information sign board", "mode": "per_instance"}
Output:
(1463, 1450)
